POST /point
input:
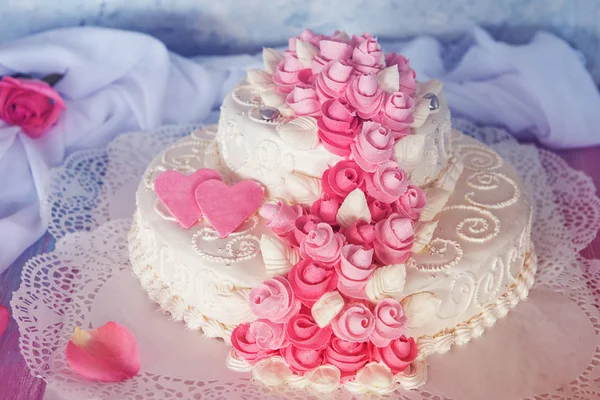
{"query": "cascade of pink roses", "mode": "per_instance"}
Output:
(319, 312)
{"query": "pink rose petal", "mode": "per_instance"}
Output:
(4, 319)
(106, 354)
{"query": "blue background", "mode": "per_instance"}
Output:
(193, 27)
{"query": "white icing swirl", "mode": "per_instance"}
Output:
(387, 281)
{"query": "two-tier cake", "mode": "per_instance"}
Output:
(336, 231)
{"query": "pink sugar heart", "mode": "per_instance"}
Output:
(227, 207)
(176, 191)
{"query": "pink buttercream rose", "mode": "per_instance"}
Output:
(387, 183)
(280, 217)
(335, 49)
(367, 56)
(322, 244)
(348, 357)
(356, 40)
(333, 79)
(365, 95)
(274, 299)
(303, 332)
(355, 323)
(32, 105)
(307, 36)
(246, 346)
(393, 239)
(341, 179)
(290, 72)
(372, 146)
(304, 102)
(310, 281)
(338, 126)
(360, 233)
(390, 322)
(354, 269)
(410, 203)
(408, 82)
(326, 209)
(301, 360)
(396, 114)
(379, 210)
(303, 225)
(398, 354)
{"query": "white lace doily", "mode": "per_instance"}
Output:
(547, 348)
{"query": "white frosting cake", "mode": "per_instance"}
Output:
(471, 261)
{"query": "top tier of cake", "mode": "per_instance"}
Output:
(259, 141)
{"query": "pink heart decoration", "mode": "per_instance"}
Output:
(176, 191)
(227, 207)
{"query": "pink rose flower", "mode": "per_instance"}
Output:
(410, 203)
(341, 179)
(310, 281)
(280, 217)
(408, 82)
(246, 346)
(326, 209)
(29, 104)
(307, 36)
(356, 40)
(290, 72)
(302, 360)
(348, 357)
(333, 80)
(354, 323)
(367, 56)
(361, 233)
(304, 102)
(393, 239)
(390, 322)
(372, 146)
(303, 332)
(365, 95)
(387, 183)
(337, 127)
(303, 225)
(398, 354)
(396, 114)
(355, 268)
(274, 300)
(379, 210)
(322, 244)
(335, 50)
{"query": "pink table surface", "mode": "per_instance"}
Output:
(17, 384)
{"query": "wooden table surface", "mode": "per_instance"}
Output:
(17, 384)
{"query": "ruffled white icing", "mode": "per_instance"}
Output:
(272, 371)
(235, 363)
(305, 189)
(373, 377)
(260, 80)
(420, 308)
(435, 200)
(271, 59)
(301, 133)
(409, 151)
(326, 308)
(423, 234)
(420, 112)
(389, 79)
(353, 208)
(278, 256)
(324, 379)
(415, 376)
(431, 86)
(306, 52)
(387, 281)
